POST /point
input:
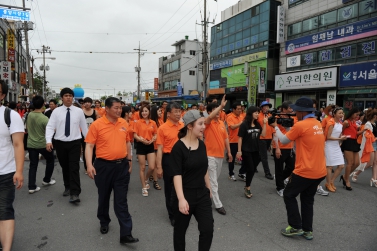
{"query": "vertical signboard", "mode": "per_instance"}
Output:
(262, 80)
(11, 43)
(253, 78)
(179, 89)
(331, 97)
(23, 78)
(155, 84)
(5, 70)
(11, 55)
(281, 22)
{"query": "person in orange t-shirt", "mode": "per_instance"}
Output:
(167, 136)
(145, 132)
(283, 153)
(328, 112)
(156, 116)
(216, 140)
(111, 170)
(99, 110)
(234, 121)
(310, 168)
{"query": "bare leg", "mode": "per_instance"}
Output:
(6, 234)
(336, 173)
(141, 159)
(328, 175)
(151, 164)
(350, 163)
(374, 169)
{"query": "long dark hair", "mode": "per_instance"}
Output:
(350, 113)
(154, 114)
(141, 110)
(183, 132)
(249, 116)
(125, 110)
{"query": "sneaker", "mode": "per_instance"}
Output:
(81, 160)
(35, 190)
(242, 176)
(232, 178)
(308, 235)
(269, 176)
(322, 192)
(247, 192)
(286, 181)
(280, 192)
(52, 182)
(290, 231)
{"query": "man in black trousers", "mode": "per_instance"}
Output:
(67, 122)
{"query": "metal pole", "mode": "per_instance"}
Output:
(138, 74)
(29, 76)
(44, 72)
(205, 51)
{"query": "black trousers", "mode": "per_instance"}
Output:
(201, 207)
(83, 145)
(69, 159)
(168, 183)
(115, 177)
(264, 144)
(249, 161)
(288, 158)
(307, 189)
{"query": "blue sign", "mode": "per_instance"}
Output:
(349, 32)
(179, 89)
(358, 74)
(221, 64)
(14, 14)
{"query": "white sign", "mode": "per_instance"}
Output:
(331, 97)
(281, 23)
(315, 79)
(5, 70)
(293, 61)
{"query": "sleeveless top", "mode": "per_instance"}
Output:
(351, 130)
(90, 119)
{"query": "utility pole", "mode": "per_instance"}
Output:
(29, 76)
(138, 70)
(45, 49)
(205, 50)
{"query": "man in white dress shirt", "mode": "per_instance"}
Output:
(68, 122)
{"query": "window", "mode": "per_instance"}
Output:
(310, 24)
(219, 27)
(326, 55)
(192, 73)
(366, 7)
(232, 29)
(294, 29)
(327, 18)
(347, 51)
(263, 27)
(347, 12)
(255, 11)
(173, 66)
(366, 48)
(192, 53)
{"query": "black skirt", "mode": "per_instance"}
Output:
(350, 145)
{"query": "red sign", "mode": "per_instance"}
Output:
(23, 78)
(11, 55)
(156, 84)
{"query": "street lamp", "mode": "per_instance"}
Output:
(112, 87)
(43, 68)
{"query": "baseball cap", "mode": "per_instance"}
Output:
(191, 116)
(265, 103)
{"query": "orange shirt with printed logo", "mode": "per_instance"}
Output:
(284, 131)
(310, 148)
(167, 135)
(110, 139)
(233, 120)
(147, 131)
(215, 135)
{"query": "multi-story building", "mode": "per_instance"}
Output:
(180, 74)
(11, 50)
(330, 52)
(244, 55)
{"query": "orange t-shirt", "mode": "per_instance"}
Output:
(325, 120)
(167, 135)
(310, 148)
(215, 135)
(147, 131)
(131, 130)
(222, 116)
(233, 120)
(160, 122)
(110, 139)
(243, 115)
(269, 129)
(100, 111)
(135, 116)
(290, 145)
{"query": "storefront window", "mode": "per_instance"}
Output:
(367, 6)
(345, 52)
(326, 55)
(309, 58)
(347, 12)
(366, 48)
(327, 18)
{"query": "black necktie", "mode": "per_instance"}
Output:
(67, 123)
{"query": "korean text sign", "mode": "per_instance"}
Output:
(349, 32)
(322, 78)
(358, 74)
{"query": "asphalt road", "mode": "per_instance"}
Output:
(47, 221)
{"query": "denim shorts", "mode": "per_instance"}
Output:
(375, 145)
(7, 194)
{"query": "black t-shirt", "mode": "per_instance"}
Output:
(48, 113)
(250, 136)
(191, 164)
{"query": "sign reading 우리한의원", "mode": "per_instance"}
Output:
(358, 74)
(349, 32)
(322, 78)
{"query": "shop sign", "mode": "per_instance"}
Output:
(323, 78)
(179, 89)
(280, 27)
(236, 89)
(1, 41)
(358, 74)
(331, 97)
(221, 64)
(262, 80)
(253, 78)
(349, 32)
(11, 39)
(5, 70)
(11, 55)
(155, 86)
(250, 58)
(294, 61)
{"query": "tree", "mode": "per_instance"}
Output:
(103, 97)
(38, 82)
(119, 93)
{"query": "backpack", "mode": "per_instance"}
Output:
(7, 116)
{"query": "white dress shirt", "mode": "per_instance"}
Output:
(56, 124)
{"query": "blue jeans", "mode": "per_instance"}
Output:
(34, 160)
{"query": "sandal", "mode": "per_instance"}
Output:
(353, 177)
(144, 192)
(156, 185)
(147, 186)
(151, 178)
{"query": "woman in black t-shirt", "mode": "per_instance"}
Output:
(248, 141)
(191, 183)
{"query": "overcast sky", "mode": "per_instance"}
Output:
(112, 26)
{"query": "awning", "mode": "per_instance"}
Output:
(357, 91)
(177, 98)
(216, 91)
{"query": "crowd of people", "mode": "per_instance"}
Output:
(186, 148)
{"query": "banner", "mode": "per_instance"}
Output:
(221, 64)
(315, 79)
(253, 78)
(358, 74)
(280, 27)
(11, 39)
(262, 80)
(155, 87)
(5, 70)
(23, 78)
(250, 58)
(179, 89)
(342, 34)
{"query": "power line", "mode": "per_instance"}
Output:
(110, 33)
(107, 52)
(32, 8)
(42, 21)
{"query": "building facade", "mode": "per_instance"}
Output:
(244, 55)
(329, 52)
